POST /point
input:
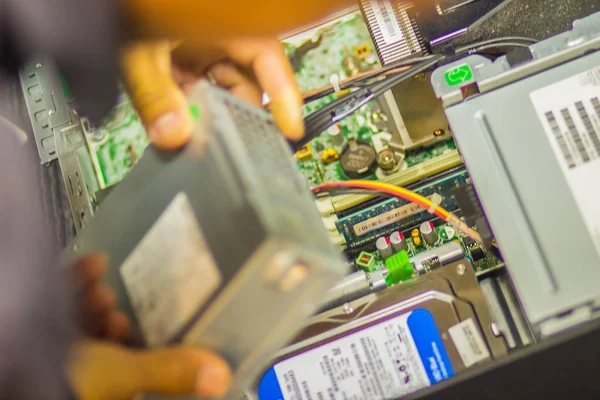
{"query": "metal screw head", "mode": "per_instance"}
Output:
(348, 309)
(38, 66)
(495, 329)
(386, 160)
(460, 269)
(438, 132)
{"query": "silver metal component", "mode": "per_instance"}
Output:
(386, 160)
(384, 247)
(352, 287)
(377, 279)
(553, 97)
(495, 330)
(177, 224)
(393, 33)
(398, 241)
(460, 269)
(428, 232)
(348, 309)
(47, 106)
(337, 137)
(446, 254)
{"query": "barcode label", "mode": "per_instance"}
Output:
(469, 342)
(386, 219)
(387, 21)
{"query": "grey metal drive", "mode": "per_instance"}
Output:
(528, 127)
(220, 247)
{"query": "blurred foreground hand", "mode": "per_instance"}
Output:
(105, 370)
(159, 75)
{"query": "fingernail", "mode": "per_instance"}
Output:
(213, 380)
(169, 124)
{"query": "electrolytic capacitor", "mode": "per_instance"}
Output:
(429, 234)
(384, 247)
(398, 242)
(336, 135)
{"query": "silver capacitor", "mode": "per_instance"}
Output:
(336, 135)
(398, 242)
(428, 232)
(384, 247)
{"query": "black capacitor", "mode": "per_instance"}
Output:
(358, 159)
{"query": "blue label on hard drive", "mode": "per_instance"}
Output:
(386, 360)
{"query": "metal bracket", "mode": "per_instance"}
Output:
(47, 106)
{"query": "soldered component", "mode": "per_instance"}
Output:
(362, 51)
(351, 64)
(398, 241)
(365, 261)
(336, 135)
(330, 155)
(305, 153)
(417, 240)
(384, 247)
(386, 160)
(379, 119)
(358, 159)
(429, 234)
(477, 254)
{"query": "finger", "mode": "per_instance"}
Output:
(118, 327)
(97, 298)
(90, 268)
(275, 75)
(182, 371)
(160, 102)
(239, 83)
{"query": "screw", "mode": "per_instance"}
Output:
(348, 309)
(495, 330)
(461, 269)
(38, 66)
(438, 132)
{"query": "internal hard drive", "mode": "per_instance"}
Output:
(391, 343)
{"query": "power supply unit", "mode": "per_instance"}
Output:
(209, 247)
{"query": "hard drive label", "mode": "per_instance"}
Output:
(386, 360)
(171, 273)
(569, 111)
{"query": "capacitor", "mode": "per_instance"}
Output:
(336, 135)
(398, 242)
(384, 247)
(429, 234)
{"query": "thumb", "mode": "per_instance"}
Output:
(104, 371)
(160, 102)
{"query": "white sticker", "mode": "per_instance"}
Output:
(569, 111)
(387, 218)
(469, 343)
(387, 21)
(171, 273)
(386, 360)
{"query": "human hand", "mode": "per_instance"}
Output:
(106, 371)
(158, 76)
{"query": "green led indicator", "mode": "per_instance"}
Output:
(195, 112)
(458, 75)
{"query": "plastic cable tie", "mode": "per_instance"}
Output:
(335, 82)
(436, 200)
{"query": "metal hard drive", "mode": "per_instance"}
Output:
(219, 247)
(528, 127)
(390, 343)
